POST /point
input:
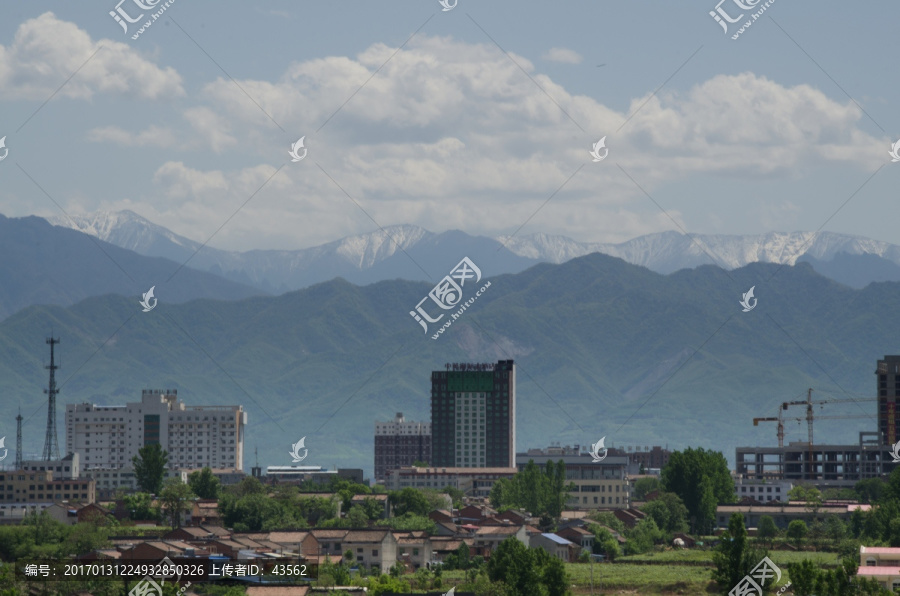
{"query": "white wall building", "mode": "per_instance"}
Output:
(762, 490)
(193, 436)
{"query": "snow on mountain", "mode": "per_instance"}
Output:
(385, 254)
(666, 252)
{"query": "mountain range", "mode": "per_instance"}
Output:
(413, 253)
(45, 264)
(602, 347)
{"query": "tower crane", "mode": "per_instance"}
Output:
(810, 415)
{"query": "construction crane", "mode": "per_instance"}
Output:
(810, 415)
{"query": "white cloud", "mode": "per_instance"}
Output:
(46, 51)
(562, 55)
(210, 129)
(152, 136)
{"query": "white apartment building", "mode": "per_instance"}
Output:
(762, 490)
(194, 436)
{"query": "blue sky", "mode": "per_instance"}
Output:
(191, 123)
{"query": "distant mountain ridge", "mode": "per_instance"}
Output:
(603, 348)
(411, 252)
(44, 264)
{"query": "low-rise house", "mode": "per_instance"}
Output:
(879, 556)
(379, 498)
(556, 546)
(63, 513)
(446, 529)
(303, 543)
(190, 534)
(578, 535)
(225, 547)
(441, 516)
(372, 548)
(414, 548)
(782, 513)
(154, 550)
(443, 546)
(205, 511)
(329, 541)
(95, 514)
(630, 517)
(488, 538)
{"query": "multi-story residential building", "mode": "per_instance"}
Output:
(652, 458)
(109, 481)
(473, 415)
(762, 490)
(399, 443)
(193, 436)
(600, 485)
(474, 482)
(20, 486)
(881, 563)
(888, 372)
(67, 468)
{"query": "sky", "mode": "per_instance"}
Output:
(480, 118)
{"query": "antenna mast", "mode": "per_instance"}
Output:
(51, 446)
(19, 440)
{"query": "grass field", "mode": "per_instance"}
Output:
(672, 572)
(779, 557)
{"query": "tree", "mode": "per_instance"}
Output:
(150, 468)
(804, 577)
(176, 498)
(515, 564)
(835, 528)
(204, 484)
(409, 500)
(644, 486)
(668, 511)
(140, 507)
(644, 535)
(869, 490)
(810, 495)
(702, 479)
(357, 517)
(734, 557)
(553, 576)
(796, 532)
(766, 528)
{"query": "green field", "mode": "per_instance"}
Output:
(661, 573)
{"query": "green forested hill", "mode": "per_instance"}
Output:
(603, 348)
